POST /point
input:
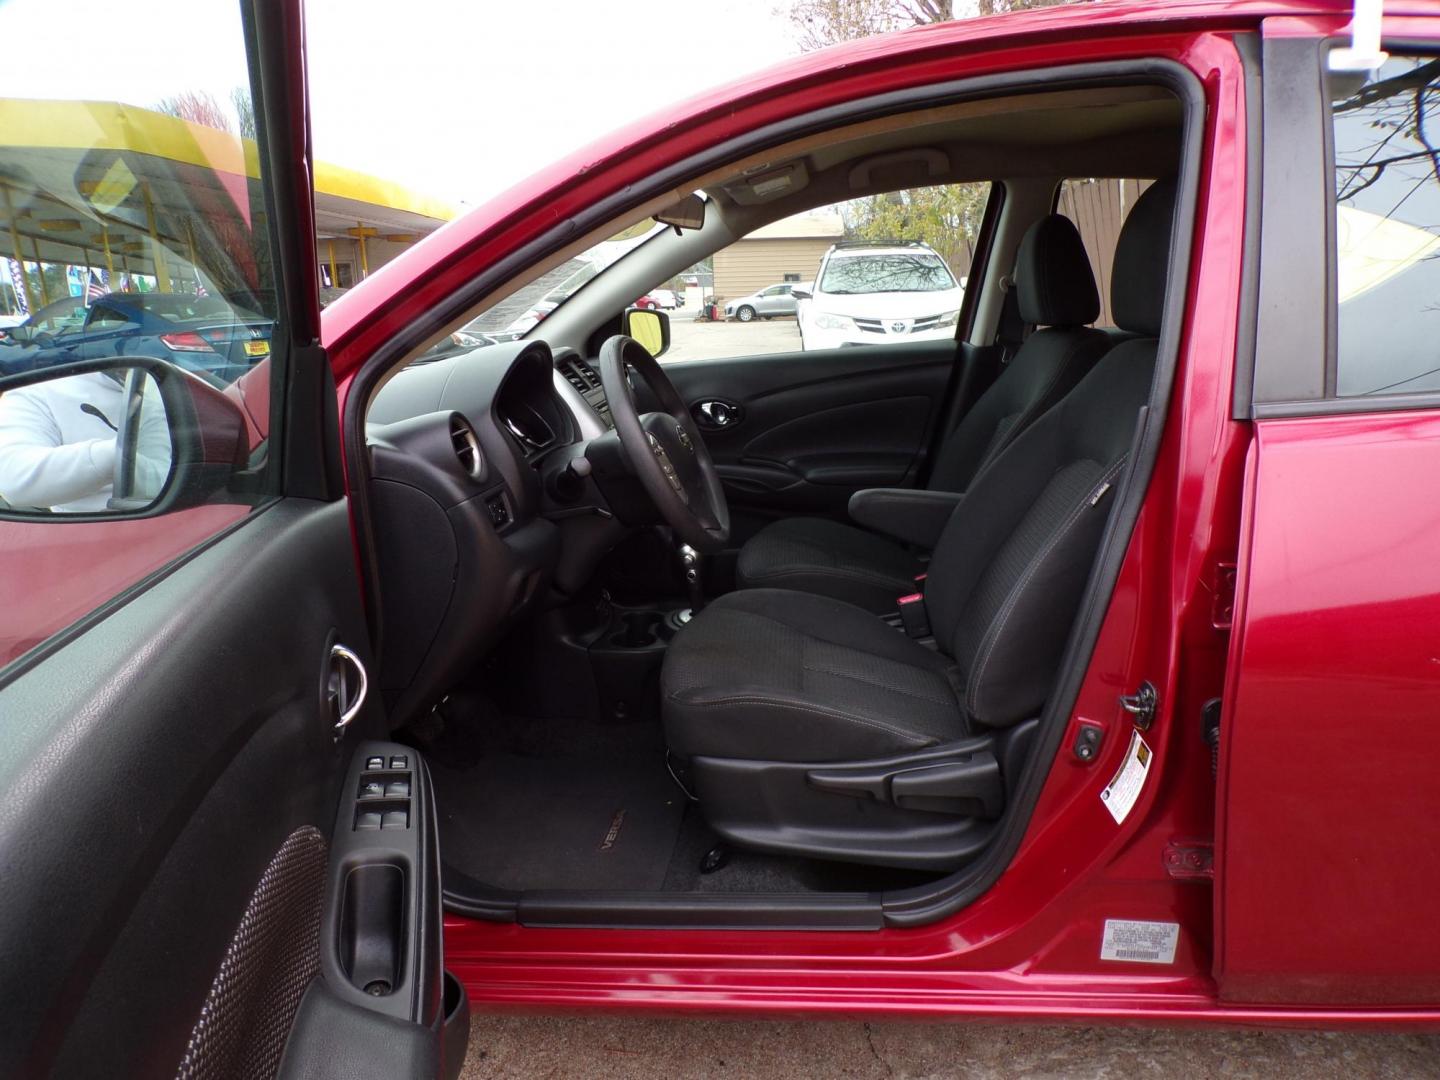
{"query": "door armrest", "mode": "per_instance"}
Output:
(906, 514)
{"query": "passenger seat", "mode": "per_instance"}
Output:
(1056, 290)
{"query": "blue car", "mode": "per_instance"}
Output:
(200, 333)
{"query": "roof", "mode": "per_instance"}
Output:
(801, 227)
(83, 126)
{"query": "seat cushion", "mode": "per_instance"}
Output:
(816, 555)
(774, 675)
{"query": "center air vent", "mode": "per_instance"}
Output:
(467, 446)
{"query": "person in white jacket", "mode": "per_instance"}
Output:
(58, 443)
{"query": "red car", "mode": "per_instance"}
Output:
(1079, 667)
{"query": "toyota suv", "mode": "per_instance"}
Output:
(869, 293)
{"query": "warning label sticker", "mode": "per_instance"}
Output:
(1120, 794)
(1138, 941)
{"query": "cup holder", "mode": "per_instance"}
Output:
(637, 630)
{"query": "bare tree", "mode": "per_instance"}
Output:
(819, 23)
(198, 107)
(244, 110)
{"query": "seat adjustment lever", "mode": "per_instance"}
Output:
(968, 784)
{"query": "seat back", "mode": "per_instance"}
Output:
(1056, 290)
(1007, 575)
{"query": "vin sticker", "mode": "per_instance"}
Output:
(1120, 794)
(1140, 942)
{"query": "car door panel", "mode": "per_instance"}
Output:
(157, 765)
(809, 429)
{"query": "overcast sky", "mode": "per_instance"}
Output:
(458, 99)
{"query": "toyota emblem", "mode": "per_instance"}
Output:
(897, 327)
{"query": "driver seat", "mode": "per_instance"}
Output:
(809, 726)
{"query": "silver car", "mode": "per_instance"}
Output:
(765, 304)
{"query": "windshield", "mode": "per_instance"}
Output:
(918, 271)
(522, 310)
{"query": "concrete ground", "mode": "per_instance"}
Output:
(676, 1049)
(691, 340)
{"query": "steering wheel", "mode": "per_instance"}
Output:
(665, 449)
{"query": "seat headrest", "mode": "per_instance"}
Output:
(1053, 280)
(1142, 261)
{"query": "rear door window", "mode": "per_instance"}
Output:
(1387, 232)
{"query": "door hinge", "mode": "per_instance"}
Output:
(1190, 860)
(1141, 705)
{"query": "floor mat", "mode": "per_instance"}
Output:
(559, 823)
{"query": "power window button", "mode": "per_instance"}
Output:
(367, 821)
(399, 762)
(396, 819)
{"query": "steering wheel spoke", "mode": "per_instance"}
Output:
(664, 448)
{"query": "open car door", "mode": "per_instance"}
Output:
(211, 862)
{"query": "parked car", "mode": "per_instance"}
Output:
(1079, 664)
(198, 333)
(765, 304)
(666, 299)
(865, 293)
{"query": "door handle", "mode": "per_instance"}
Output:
(346, 685)
(715, 413)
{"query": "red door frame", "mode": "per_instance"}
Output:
(1029, 947)
(1325, 882)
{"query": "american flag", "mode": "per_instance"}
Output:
(97, 288)
(200, 289)
(17, 282)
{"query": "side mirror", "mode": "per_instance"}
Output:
(20, 335)
(111, 438)
(802, 294)
(651, 328)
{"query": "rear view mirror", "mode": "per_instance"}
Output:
(115, 438)
(688, 213)
(649, 327)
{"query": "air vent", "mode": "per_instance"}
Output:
(580, 375)
(467, 446)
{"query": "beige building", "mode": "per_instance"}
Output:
(785, 250)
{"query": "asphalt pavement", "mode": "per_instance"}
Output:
(691, 340)
(602, 1047)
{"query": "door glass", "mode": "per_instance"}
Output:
(884, 269)
(137, 302)
(1387, 231)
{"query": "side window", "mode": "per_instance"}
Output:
(136, 203)
(1098, 206)
(885, 269)
(1387, 232)
(103, 317)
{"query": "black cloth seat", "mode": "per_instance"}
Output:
(1056, 290)
(829, 558)
(783, 676)
(775, 675)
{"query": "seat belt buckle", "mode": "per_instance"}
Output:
(913, 616)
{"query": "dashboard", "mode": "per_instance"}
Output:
(467, 504)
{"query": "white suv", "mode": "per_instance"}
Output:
(871, 294)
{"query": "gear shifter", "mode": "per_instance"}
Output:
(694, 591)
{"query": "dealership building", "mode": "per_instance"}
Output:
(785, 250)
(133, 197)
